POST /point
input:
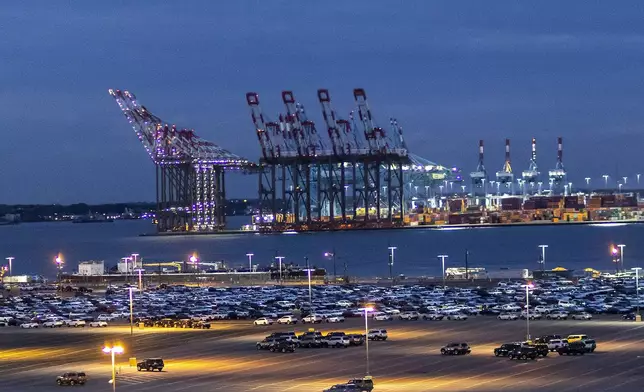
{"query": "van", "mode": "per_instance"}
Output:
(574, 338)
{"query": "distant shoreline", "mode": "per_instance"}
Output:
(429, 227)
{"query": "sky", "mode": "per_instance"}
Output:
(451, 72)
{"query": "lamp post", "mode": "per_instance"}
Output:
(621, 255)
(392, 249)
(638, 178)
(140, 272)
(113, 350)
(131, 289)
(443, 257)
(366, 333)
(10, 259)
(527, 309)
(587, 181)
(637, 291)
(614, 252)
(250, 261)
(59, 265)
(332, 254)
(605, 180)
(543, 256)
(135, 265)
(308, 272)
(279, 259)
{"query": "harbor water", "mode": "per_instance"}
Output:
(35, 245)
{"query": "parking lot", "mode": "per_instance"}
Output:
(225, 358)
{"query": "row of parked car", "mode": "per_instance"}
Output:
(289, 341)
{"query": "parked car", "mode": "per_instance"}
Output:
(377, 334)
(29, 325)
(312, 318)
(150, 364)
(457, 316)
(381, 316)
(590, 345)
(335, 319)
(263, 321)
(582, 316)
(574, 348)
(507, 316)
(554, 344)
(524, 353)
(433, 316)
(364, 384)
(506, 349)
(72, 378)
(456, 349)
(97, 324)
(287, 320)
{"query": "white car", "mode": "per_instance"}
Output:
(507, 316)
(104, 317)
(312, 318)
(76, 323)
(408, 316)
(287, 320)
(554, 344)
(29, 325)
(433, 316)
(52, 324)
(533, 315)
(457, 316)
(557, 316)
(263, 321)
(335, 319)
(582, 316)
(338, 341)
(382, 317)
(97, 324)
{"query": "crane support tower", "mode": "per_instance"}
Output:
(531, 176)
(349, 177)
(505, 177)
(557, 176)
(190, 171)
(479, 177)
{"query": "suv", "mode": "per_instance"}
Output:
(506, 349)
(310, 341)
(72, 378)
(408, 316)
(364, 384)
(554, 344)
(266, 343)
(377, 334)
(287, 320)
(356, 339)
(456, 349)
(574, 348)
(547, 338)
(541, 348)
(150, 364)
(282, 346)
(343, 388)
(590, 344)
(524, 353)
(337, 341)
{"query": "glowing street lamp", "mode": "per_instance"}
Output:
(366, 332)
(527, 309)
(113, 350)
(10, 259)
(621, 255)
(443, 257)
(140, 272)
(279, 259)
(543, 256)
(605, 180)
(615, 252)
(59, 266)
(332, 254)
(587, 181)
(135, 256)
(392, 249)
(637, 291)
(250, 261)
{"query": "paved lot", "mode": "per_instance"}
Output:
(225, 359)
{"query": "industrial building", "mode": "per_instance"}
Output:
(91, 267)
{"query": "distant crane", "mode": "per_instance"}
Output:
(505, 177)
(479, 177)
(557, 176)
(531, 176)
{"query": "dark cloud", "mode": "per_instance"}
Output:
(451, 72)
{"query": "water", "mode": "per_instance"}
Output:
(35, 245)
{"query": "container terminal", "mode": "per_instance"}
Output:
(350, 173)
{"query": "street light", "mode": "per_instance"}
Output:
(614, 252)
(391, 262)
(59, 265)
(443, 257)
(637, 291)
(308, 272)
(279, 259)
(621, 255)
(113, 350)
(10, 259)
(606, 180)
(638, 178)
(332, 254)
(131, 289)
(135, 255)
(527, 309)
(250, 261)
(587, 181)
(366, 332)
(140, 272)
(543, 256)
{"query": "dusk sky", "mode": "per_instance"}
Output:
(452, 72)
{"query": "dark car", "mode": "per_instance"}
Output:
(282, 346)
(72, 378)
(266, 343)
(574, 348)
(356, 339)
(506, 349)
(629, 316)
(541, 348)
(200, 325)
(343, 388)
(364, 384)
(547, 338)
(524, 353)
(150, 364)
(456, 349)
(310, 341)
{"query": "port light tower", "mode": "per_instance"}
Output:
(531, 176)
(557, 176)
(505, 177)
(479, 177)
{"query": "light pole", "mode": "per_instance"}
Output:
(527, 309)
(587, 181)
(308, 272)
(250, 261)
(614, 252)
(606, 180)
(131, 289)
(392, 249)
(140, 272)
(638, 178)
(443, 257)
(366, 332)
(10, 259)
(543, 256)
(637, 291)
(621, 255)
(135, 265)
(332, 254)
(113, 350)
(279, 259)
(59, 265)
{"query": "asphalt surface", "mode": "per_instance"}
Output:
(224, 358)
